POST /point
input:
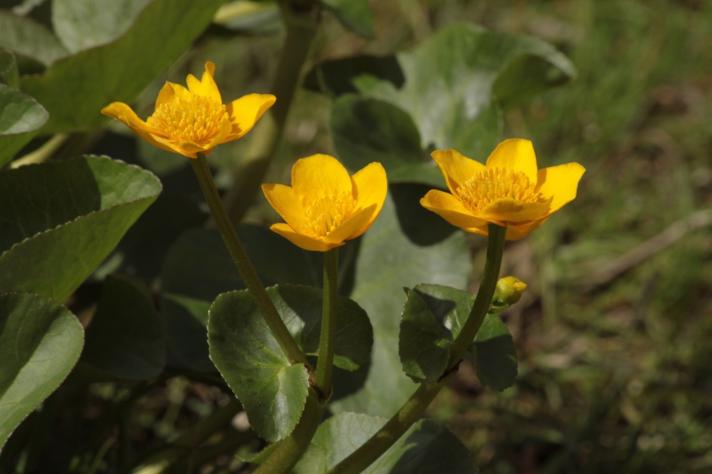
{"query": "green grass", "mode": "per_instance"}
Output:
(613, 377)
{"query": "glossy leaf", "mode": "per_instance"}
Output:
(427, 448)
(494, 355)
(83, 24)
(40, 341)
(119, 70)
(366, 129)
(456, 80)
(197, 268)
(125, 339)
(24, 36)
(354, 14)
(272, 390)
(19, 112)
(61, 219)
(433, 317)
(406, 246)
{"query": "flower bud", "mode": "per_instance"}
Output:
(508, 291)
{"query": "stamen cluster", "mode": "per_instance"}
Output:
(193, 119)
(499, 184)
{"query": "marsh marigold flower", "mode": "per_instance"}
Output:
(325, 206)
(194, 120)
(508, 191)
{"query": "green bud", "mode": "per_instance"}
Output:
(508, 291)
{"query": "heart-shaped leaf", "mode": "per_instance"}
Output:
(61, 219)
(40, 342)
(197, 269)
(272, 390)
(432, 318)
(455, 80)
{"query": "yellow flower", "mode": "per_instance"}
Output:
(508, 191)
(194, 120)
(325, 206)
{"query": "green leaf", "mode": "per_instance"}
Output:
(118, 71)
(353, 14)
(125, 339)
(405, 246)
(456, 80)
(433, 317)
(250, 360)
(8, 68)
(366, 130)
(494, 354)
(63, 218)
(271, 389)
(427, 448)
(337, 76)
(26, 37)
(40, 342)
(84, 24)
(19, 113)
(353, 338)
(198, 268)
(424, 341)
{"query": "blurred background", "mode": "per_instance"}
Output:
(614, 332)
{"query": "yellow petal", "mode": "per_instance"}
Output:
(286, 203)
(125, 114)
(519, 231)
(456, 167)
(354, 226)
(302, 241)
(517, 154)
(560, 183)
(320, 173)
(247, 110)
(206, 86)
(511, 211)
(371, 187)
(451, 209)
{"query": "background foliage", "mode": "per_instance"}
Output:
(612, 337)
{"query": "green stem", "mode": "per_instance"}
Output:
(243, 263)
(301, 19)
(288, 451)
(415, 406)
(328, 323)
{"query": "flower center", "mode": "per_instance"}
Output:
(499, 184)
(327, 211)
(194, 119)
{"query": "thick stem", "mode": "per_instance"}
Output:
(288, 451)
(243, 263)
(415, 406)
(301, 19)
(328, 323)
